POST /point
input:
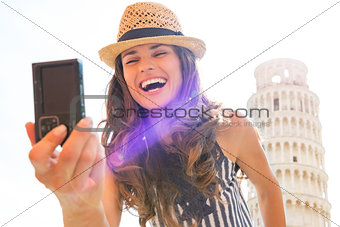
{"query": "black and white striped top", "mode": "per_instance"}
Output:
(213, 213)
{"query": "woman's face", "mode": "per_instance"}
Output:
(152, 73)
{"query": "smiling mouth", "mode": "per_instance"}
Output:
(153, 86)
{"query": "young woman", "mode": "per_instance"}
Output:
(171, 153)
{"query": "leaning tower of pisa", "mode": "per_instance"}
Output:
(291, 138)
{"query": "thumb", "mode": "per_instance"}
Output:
(30, 132)
(42, 151)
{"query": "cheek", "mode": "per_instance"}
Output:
(128, 79)
(129, 82)
(179, 76)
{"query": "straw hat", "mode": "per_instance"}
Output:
(148, 22)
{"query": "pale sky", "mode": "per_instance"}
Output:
(234, 33)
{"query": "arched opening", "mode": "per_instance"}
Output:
(277, 127)
(288, 179)
(279, 176)
(295, 152)
(311, 157)
(278, 152)
(285, 127)
(276, 102)
(314, 132)
(306, 104)
(314, 187)
(270, 153)
(268, 101)
(293, 126)
(284, 101)
(270, 127)
(262, 105)
(305, 182)
(289, 211)
(319, 187)
(292, 100)
(276, 79)
(286, 73)
(303, 153)
(297, 181)
(299, 102)
(301, 128)
(308, 129)
(286, 152)
(308, 214)
(312, 107)
(317, 157)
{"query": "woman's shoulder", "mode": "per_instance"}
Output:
(231, 133)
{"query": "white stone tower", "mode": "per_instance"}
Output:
(291, 138)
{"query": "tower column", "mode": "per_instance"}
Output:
(284, 177)
(280, 101)
(301, 182)
(272, 101)
(293, 180)
(282, 152)
(299, 153)
(290, 152)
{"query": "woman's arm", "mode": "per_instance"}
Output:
(112, 205)
(243, 142)
(88, 216)
(108, 213)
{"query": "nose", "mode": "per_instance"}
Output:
(146, 64)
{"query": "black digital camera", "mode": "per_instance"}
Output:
(58, 95)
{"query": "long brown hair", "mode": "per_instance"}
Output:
(145, 172)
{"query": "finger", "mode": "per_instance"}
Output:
(98, 169)
(73, 147)
(41, 153)
(85, 163)
(97, 175)
(30, 132)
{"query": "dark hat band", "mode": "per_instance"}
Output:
(147, 32)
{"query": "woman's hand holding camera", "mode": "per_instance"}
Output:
(76, 174)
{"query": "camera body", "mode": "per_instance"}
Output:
(58, 95)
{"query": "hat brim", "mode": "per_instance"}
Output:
(109, 53)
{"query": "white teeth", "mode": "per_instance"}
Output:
(153, 90)
(147, 82)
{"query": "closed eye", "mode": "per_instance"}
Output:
(131, 61)
(161, 53)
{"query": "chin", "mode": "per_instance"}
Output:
(155, 104)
